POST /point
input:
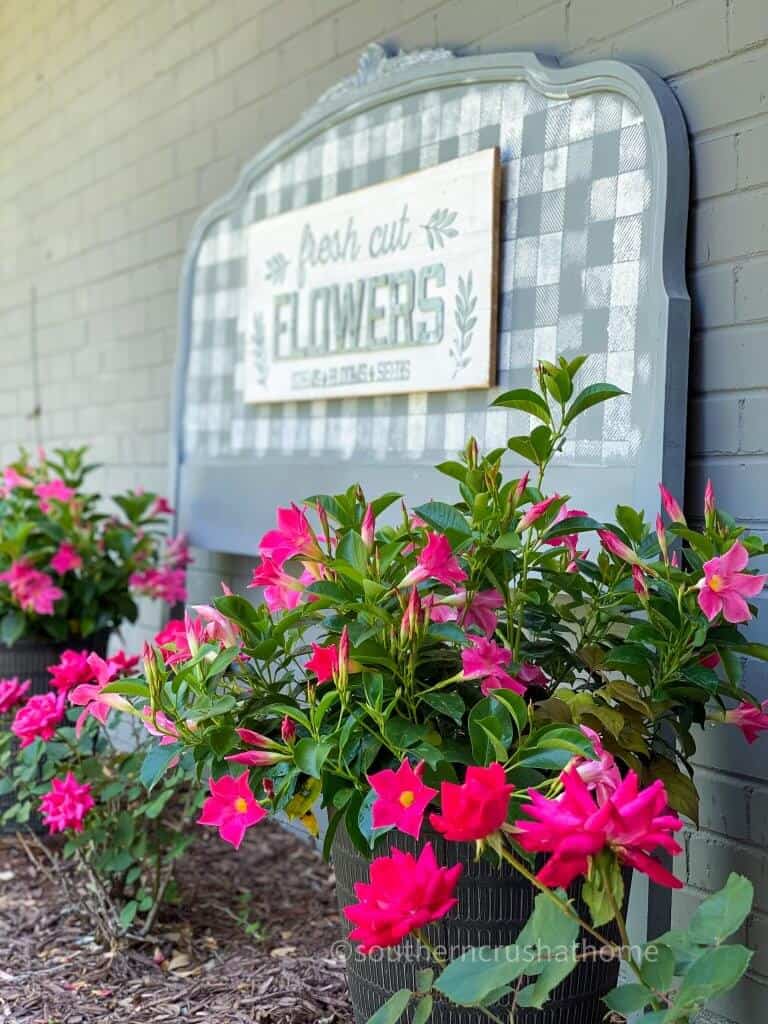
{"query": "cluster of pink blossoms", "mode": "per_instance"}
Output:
(12, 692)
(32, 590)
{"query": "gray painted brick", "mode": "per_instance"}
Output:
(711, 860)
(751, 295)
(714, 166)
(752, 147)
(747, 23)
(593, 19)
(726, 92)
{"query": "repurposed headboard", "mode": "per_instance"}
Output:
(594, 201)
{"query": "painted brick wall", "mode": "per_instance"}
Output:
(121, 120)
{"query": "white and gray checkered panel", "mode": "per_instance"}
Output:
(577, 192)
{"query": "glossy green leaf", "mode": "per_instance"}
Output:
(525, 400)
(590, 396)
(721, 915)
(393, 1009)
(445, 518)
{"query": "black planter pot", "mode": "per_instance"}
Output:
(494, 904)
(30, 658)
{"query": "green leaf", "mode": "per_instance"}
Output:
(592, 395)
(128, 688)
(577, 524)
(526, 401)
(445, 518)
(11, 627)
(658, 966)
(393, 1009)
(449, 704)
(628, 999)
(455, 470)
(424, 979)
(310, 756)
(522, 446)
(155, 764)
(352, 550)
(721, 915)
(128, 913)
(423, 1010)
(470, 978)
(715, 972)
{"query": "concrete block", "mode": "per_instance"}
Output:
(747, 23)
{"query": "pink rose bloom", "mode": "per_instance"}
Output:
(55, 490)
(157, 723)
(324, 662)
(601, 774)
(475, 809)
(578, 825)
(750, 719)
(66, 804)
(12, 692)
(32, 590)
(281, 590)
(38, 718)
(293, 538)
(487, 660)
(231, 808)
(435, 561)
(71, 670)
(402, 798)
(404, 894)
(725, 587)
(66, 559)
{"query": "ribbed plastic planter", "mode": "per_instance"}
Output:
(30, 658)
(494, 904)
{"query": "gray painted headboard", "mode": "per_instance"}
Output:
(593, 224)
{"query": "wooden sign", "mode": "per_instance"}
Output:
(386, 290)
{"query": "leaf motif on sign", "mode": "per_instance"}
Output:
(439, 227)
(277, 266)
(257, 351)
(466, 318)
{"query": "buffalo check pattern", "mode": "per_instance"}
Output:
(575, 251)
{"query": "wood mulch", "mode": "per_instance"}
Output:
(251, 941)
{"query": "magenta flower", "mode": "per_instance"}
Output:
(616, 546)
(725, 587)
(281, 590)
(476, 808)
(231, 808)
(535, 512)
(601, 773)
(157, 723)
(671, 506)
(324, 662)
(639, 583)
(288, 730)
(750, 719)
(368, 528)
(55, 490)
(479, 611)
(166, 583)
(13, 479)
(91, 696)
(293, 538)
(532, 675)
(404, 894)
(569, 541)
(176, 554)
(32, 590)
(218, 628)
(71, 670)
(172, 642)
(66, 559)
(66, 804)
(38, 718)
(435, 561)
(487, 660)
(578, 825)
(402, 798)
(12, 692)
(162, 507)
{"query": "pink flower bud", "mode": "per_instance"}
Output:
(661, 535)
(368, 529)
(671, 507)
(269, 787)
(522, 483)
(709, 505)
(639, 583)
(255, 739)
(344, 647)
(411, 616)
(615, 546)
(535, 512)
(288, 730)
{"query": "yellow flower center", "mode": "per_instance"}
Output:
(716, 583)
(241, 805)
(407, 797)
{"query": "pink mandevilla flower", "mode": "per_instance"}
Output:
(157, 723)
(569, 541)
(166, 583)
(34, 591)
(435, 561)
(39, 718)
(750, 719)
(162, 507)
(487, 660)
(66, 559)
(231, 808)
(281, 590)
(404, 894)
(91, 696)
(402, 798)
(601, 773)
(55, 490)
(578, 825)
(479, 610)
(476, 808)
(671, 506)
(293, 538)
(12, 692)
(324, 662)
(66, 804)
(725, 587)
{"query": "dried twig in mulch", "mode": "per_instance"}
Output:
(251, 941)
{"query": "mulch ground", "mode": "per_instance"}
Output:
(251, 941)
